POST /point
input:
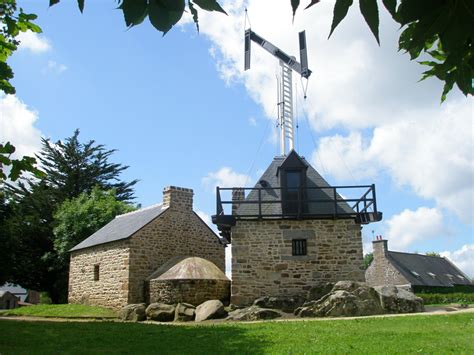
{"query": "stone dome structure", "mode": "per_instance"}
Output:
(191, 280)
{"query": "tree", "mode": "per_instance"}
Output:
(80, 217)
(432, 253)
(368, 258)
(72, 168)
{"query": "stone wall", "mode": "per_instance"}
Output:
(111, 288)
(263, 265)
(194, 292)
(177, 232)
(381, 271)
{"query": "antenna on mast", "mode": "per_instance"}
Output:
(285, 84)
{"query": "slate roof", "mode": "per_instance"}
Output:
(122, 227)
(271, 180)
(15, 290)
(424, 270)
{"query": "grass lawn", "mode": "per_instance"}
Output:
(438, 334)
(62, 311)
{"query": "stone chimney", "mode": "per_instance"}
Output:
(238, 194)
(380, 248)
(178, 198)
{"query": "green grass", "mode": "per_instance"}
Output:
(440, 334)
(61, 311)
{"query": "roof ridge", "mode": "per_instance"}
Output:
(429, 256)
(140, 210)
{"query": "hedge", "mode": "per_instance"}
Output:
(447, 298)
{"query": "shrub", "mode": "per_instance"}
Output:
(446, 298)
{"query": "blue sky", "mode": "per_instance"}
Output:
(181, 111)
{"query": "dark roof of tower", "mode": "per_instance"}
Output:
(122, 226)
(425, 270)
(271, 182)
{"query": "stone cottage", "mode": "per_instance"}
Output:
(8, 300)
(420, 272)
(110, 267)
(292, 231)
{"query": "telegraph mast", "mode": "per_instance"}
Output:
(285, 82)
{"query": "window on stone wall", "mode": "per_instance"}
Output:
(96, 272)
(299, 247)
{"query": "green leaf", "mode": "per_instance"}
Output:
(464, 79)
(80, 3)
(210, 5)
(164, 14)
(313, 2)
(53, 2)
(194, 13)
(8, 148)
(370, 11)
(449, 83)
(294, 6)
(391, 6)
(340, 11)
(134, 11)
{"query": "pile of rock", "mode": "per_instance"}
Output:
(343, 299)
(182, 312)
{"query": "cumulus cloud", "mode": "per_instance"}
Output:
(462, 258)
(33, 42)
(17, 125)
(431, 151)
(225, 177)
(410, 226)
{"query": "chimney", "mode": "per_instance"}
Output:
(178, 197)
(238, 194)
(379, 247)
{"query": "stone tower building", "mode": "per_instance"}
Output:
(292, 231)
(110, 267)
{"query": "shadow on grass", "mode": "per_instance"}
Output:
(109, 337)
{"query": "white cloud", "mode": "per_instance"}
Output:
(33, 42)
(410, 226)
(17, 125)
(431, 151)
(225, 177)
(252, 121)
(55, 67)
(360, 87)
(462, 258)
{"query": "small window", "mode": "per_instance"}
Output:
(96, 272)
(299, 247)
(415, 273)
(431, 274)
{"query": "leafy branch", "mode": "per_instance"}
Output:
(17, 165)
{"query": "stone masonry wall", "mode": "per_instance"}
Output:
(194, 292)
(111, 290)
(263, 265)
(177, 232)
(381, 271)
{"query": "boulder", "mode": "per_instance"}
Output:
(362, 301)
(160, 312)
(286, 304)
(213, 309)
(253, 313)
(320, 290)
(395, 299)
(133, 312)
(184, 312)
(348, 286)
